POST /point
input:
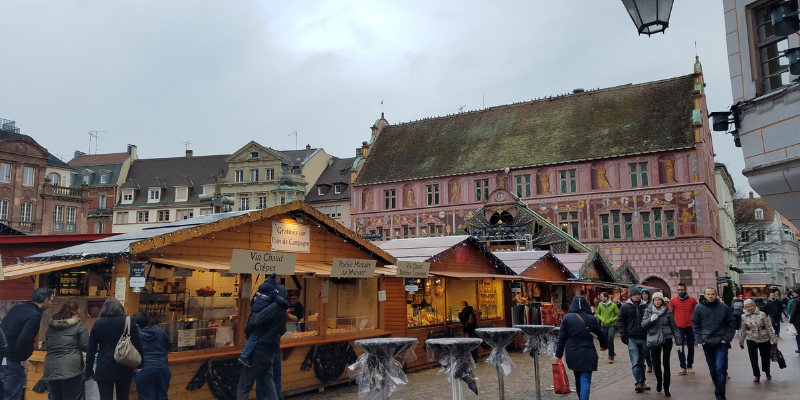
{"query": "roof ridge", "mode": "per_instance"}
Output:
(182, 157)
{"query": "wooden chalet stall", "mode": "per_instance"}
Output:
(460, 269)
(540, 302)
(597, 274)
(194, 271)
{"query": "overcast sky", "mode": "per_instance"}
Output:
(222, 73)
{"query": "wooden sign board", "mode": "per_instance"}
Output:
(180, 272)
(413, 269)
(353, 268)
(291, 238)
(262, 262)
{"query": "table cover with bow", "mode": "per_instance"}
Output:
(539, 339)
(498, 339)
(379, 370)
(454, 354)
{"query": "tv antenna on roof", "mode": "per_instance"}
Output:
(461, 109)
(96, 136)
(295, 138)
(186, 144)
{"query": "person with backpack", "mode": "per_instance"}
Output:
(737, 309)
(470, 322)
(607, 313)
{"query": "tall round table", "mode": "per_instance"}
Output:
(379, 371)
(455, 356)
(539, 339)
(498, 339)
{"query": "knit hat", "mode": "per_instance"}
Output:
(634, 290)
(658, 295)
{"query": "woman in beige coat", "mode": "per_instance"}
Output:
(757, 330)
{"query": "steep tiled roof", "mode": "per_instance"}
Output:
(337, 172)
(622, 120)
(169, 173)
(94, 159)
(294, 157)
(113, 171)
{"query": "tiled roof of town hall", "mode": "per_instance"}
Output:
(622, 120)
(169, 173)
(337, 172)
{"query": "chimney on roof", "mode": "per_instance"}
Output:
(308, 150)
(189, 153)
(364, 149)
(79, 153)
(132, 151)
(751, 195)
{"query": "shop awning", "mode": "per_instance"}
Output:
(40, 267)
(199, 265)
(476, 275)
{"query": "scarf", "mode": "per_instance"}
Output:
(607, 304)
(683, 296)
(657, 311)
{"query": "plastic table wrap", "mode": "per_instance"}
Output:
(455, 357)
(540, 338)
(499, 338)
(381, 365)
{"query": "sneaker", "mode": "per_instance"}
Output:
(610, 361)
(690, 371)
(639, 388)
(645, 387)
(682, 372)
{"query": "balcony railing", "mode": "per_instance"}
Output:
(58, 226)
(100, 212)
(63, 191)
(26, 226)
(70, 227)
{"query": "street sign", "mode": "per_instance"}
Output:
(723, 279)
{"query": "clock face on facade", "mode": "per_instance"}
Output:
(500, 196)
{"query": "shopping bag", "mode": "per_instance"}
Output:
(560, 378)
(777, 357)
(792, 330)
(91, 391)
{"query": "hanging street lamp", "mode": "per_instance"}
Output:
(649, 16)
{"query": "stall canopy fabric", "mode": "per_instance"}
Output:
(14, 271)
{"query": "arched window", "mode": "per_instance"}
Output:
(55, 179)
(759, 213)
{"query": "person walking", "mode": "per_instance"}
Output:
(607, 313)
(470, 322)
(774, 311)
(578, 329)
(66, 340)
(629, 325)
(152, 381)
(682, 306)
(269, 324)
(794, 319)
(714, 328)
(661, 330)
(646, 301)
(21, 325)
(737, 309)
(759, 334)
(111, 376)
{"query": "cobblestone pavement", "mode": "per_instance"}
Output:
(611, 381)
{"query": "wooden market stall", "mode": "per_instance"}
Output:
(541, 302)
(755, 285)
(198, 288)
(460, 268)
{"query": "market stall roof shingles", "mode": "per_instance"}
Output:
(623, 120)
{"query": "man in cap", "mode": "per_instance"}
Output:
(629, 325)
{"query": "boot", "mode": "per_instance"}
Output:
(666, 392)
(658, 387)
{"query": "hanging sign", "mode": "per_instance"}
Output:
(412, 288)
(179, 272)
(137, 275)
(462, 254)
(353, 268)
(186, 338)
(119, 289)
(516, 287)
(412, 269)
(291, 238)
(262, 262)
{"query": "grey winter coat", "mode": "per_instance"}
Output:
(756, 327)
(66, 340)
(665, 322)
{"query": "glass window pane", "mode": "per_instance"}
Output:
(615, 216)
(575, 229)
(617, 232)
(634, 181)
(573, 215)
(573, 185)
(645, 179)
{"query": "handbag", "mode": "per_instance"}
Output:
(125, 353)
(655, 339)
(560, 378)
(777, 356)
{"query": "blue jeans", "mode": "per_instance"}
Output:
(609, 332)
(688, 341)
(276, 377)
(249, 346)
(583, 384)
(249, 376)
(637, 349)
(153, 383)
(717, 359)
(13, 377)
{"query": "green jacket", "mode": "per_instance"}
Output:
(607, 315)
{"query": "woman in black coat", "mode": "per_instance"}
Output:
(576, 336)
(103, 339)
(469, 324)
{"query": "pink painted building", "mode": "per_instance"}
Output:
(628, 168)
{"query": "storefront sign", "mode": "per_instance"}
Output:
(412, 288)
(262, 262)
(186, 338)
(137, 275)
(119, 289)
(353, 268)
(412, 269)
(291, 238)
(179, 272)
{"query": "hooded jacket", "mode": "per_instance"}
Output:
(665, 323)
(155, 346)
(607, 315)
(271, 325)
(21, 325)
(65, 341)
(756, 327)
(629, 323)
(266, 294)
(575, 336)
(713, 322)
(774, 308)
(463, 316)
(682, 310)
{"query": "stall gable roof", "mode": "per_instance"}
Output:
(421, 249)
(601, 264)
(13, 271)
(519, 261)
(166, 234)
(627, 274)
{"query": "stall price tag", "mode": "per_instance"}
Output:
(179, 272)
(262, 262)
(227, 275)
(353, 268)
(411, 269)
(224, 335)
(412, 288)
(381, 295)
(292, 238)
(325, 288)
(186, 338)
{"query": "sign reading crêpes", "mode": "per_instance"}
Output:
(262, 262)
(353, 268)
(413, 269)
(291, 238)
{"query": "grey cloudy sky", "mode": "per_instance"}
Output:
(222, 73)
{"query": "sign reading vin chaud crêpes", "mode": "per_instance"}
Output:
(413, 269)
(291, 238)
(353, 268)
(262, 262)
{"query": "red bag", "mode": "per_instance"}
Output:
(560, 379)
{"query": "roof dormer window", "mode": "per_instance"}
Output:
(320, 190)
(87, 179)
(337, 189)
(181, 193)
(154, 195)
(127, 196)
(759, 213)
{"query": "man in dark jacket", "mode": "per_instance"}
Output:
(21, 325)
(152, 381)
(794, 319)
(714, 328)
(629, 325)
(271, 325)
(774, 310)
